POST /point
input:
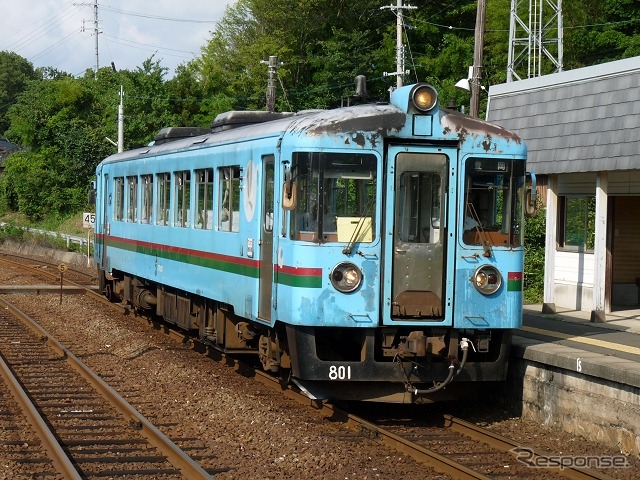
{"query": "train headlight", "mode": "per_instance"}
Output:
(424, 97)
(487, 279)
(346, 277)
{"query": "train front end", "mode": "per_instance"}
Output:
(400, 249)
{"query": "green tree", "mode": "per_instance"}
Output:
(323, 45)
(32, 185)
(15, 74)
(534, 242)
(148, 104)
(59, 122)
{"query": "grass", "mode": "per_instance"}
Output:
(17, 225)
(71, 225)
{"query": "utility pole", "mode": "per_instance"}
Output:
(96, 30)
(400, 71)
(271, 86)
(121, 122)
(477, 58)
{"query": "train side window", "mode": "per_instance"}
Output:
(163, 197)
(183, 198)
(132, 205)
(268, 194)
(229, 205)
(204, 199)
(147, 198)
(118, 205)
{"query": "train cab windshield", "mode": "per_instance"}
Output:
(336, 197)
(493, 213)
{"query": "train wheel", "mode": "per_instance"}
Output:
(268, 352)
(285, 377)
(108, 292)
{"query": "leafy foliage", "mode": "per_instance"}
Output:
(534, 242)
(15, 73)
(61, 122)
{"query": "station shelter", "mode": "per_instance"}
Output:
(582, 130)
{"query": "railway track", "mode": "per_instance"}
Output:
(86, 428)
(49, 269)
(453, 447)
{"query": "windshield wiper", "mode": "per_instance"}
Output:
(361, 224)
(486, 245)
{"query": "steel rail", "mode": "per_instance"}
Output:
(4, 259)
(367, 429)
(419, 453)
(505, 444)
(177, 457)
(55, 452)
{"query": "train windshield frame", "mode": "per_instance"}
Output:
(336, 197)
(493, 202)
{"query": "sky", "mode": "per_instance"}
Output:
(61, 33)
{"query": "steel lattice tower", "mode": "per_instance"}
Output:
(535, 39)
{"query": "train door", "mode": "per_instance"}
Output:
(104, 264)
(266, 240)
(416, 242)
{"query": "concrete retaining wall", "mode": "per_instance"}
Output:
(70, 258)
(592, 408)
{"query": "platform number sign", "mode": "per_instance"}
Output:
(88, 220)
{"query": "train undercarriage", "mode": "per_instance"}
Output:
(395, 364)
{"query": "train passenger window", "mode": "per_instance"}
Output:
(147, 198)
(118, 205)
(336, 197)
(419, 206)
(183, 198)
(163, 197)
(493, 199)
(132, 205)
(229, 205)
(268, 195)
(204, 199)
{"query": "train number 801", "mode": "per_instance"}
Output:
(339, 372)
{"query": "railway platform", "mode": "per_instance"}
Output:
(569, 340)
(582, 377)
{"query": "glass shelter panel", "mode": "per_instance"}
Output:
(578, 223)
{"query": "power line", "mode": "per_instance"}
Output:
(43, 29)
(53, 46)
(156, 17)
(131, 43)
(575, 27)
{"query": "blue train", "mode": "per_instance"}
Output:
(371, 252)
